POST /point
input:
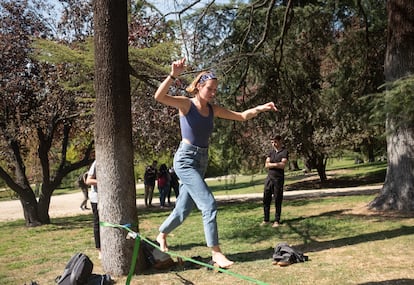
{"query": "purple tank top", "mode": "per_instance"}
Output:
(195, 127)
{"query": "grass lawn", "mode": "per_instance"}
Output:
(345, 243)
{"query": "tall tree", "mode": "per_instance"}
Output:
(314, 60)
(37, 116)
(397, 192)
(113, 134)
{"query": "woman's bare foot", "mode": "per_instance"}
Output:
(162, 240)
(220, 259)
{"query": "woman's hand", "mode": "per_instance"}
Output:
(270, 106)
(177, 67)
(162, 96)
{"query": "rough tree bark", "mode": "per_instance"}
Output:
(113, 134)
(398, 190)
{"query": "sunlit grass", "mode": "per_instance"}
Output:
(338, 240)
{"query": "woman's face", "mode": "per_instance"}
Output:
(207, 91)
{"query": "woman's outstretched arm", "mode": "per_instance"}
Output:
(248, 114)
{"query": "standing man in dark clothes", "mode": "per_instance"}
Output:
(275, 164)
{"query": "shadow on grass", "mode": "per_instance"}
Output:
(264, 254)
(316, 246)
(391, 282)
(375, 236)
(299, 229)
(81, 221)
(70, 222)
(183, 280)
(337, 181)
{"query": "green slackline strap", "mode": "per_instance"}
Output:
(134, 260)
(138, 239)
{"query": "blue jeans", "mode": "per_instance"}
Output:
(190, 164)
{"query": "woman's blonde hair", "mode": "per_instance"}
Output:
(201, 78)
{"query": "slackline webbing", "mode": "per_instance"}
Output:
(138, 239)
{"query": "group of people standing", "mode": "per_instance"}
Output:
(166, 180)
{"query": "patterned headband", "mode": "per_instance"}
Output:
(207, 76)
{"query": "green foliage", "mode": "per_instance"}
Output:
(396, 101)
(151, 52)
(40, 117)
(314, 60)
(75, 62)
(58, 52)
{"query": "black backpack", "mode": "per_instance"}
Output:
(286, 253)
(100, 279)
(77, 271)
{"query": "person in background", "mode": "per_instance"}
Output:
(174, 184)
(275, 164)
(150, 176)
(82, 184)
(93, 197)
(163, 182)
(191, 159)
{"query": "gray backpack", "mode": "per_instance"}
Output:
(78, 270)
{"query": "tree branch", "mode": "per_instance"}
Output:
(267, 26)
(286, 24)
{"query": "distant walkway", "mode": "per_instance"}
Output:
(68, 204)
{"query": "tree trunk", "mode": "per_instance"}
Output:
(398, 190)
(44, 204)
(321, 167)
(21, 186)
(29, 204)
(113, 135)
(317, 161)
(309, 164)
(293, 165)
(369, 148)
(37, 213)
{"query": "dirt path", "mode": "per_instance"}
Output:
(69, 204)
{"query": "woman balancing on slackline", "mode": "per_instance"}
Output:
(191, 158)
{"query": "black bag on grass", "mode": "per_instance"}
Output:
(100, 279)
(77, 271)
(285, 254)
